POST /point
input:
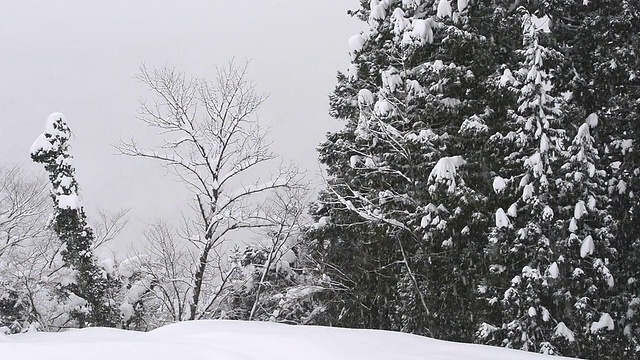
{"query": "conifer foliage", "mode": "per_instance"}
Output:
(86, 290)
(404, 187)
(485, 179)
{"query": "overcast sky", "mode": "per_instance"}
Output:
(80, 57)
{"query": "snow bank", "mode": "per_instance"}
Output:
(237, 340)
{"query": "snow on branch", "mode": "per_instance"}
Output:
(445, 172)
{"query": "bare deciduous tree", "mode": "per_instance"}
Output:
(158, 277)
(213, 143)
(287, 210)
(29, 252)
(23, 203)
(108, 226)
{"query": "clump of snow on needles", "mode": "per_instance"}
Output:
(445, 172)
(501, 219)
(240, 340)
(499, 184)
(41, 144)
(562, 330)
(605, 322)
(51, 131)
(356, 42)
(70, 201)
(422, 31)
(444, 9)
(587, 247)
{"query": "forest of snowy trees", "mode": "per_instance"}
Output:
(488, 156)
(483, 188)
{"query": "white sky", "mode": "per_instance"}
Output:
(80, 57)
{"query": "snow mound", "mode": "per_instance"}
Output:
(238, 340)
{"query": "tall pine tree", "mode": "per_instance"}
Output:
(86, 293)
(550, 284)
(403, 213)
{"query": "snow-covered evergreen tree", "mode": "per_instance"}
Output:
(273, 279)
(407, 185)
(602, 40)
(521, 244)
(553, 245)
(589, 259)
(86, 290)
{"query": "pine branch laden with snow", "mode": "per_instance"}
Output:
(445, 172)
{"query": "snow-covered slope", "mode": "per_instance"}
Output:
(236, 340)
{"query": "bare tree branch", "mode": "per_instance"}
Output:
(211, 140)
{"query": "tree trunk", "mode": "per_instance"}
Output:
(198, 279)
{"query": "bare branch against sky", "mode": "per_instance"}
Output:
(80, 58)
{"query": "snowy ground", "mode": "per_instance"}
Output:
(236, 340)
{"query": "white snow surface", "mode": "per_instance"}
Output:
(506, 78)
(356, 42)
(51, 120)
(473, 124)
(513, 210)
(42, 143)
(365, 98)
(592, 120)
(563, 330)
(422, 31)
(579, 210)
(462, 4)
(239, 340)
(554, 271)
